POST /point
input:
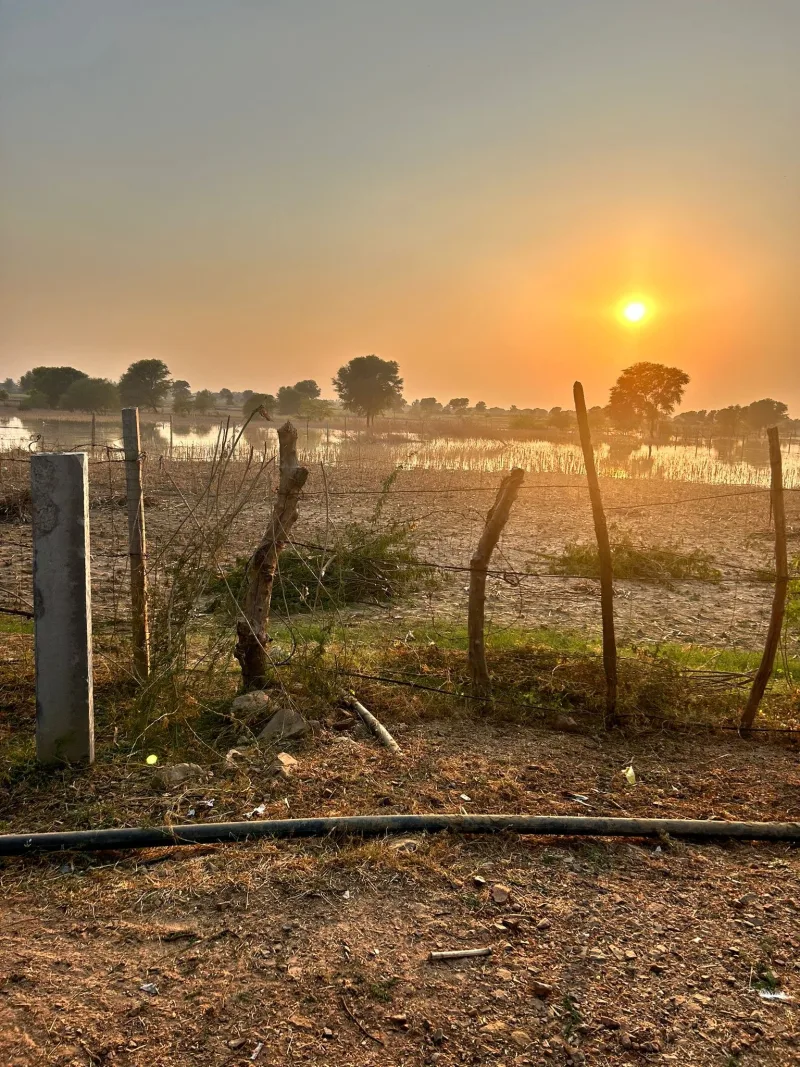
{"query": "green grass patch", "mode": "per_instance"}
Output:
(656, 563)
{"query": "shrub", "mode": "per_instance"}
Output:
(363, 565)
(658, 564)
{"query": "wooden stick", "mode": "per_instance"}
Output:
(251, 629)
(604, 554)
(478, 566)
(137, 542)
(781, 583)
(460, 954)
(377, 728)
(373, 1037)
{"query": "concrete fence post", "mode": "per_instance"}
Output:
(62, 607)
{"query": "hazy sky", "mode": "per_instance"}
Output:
(257, 191)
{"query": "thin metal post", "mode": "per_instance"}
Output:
(137, 543)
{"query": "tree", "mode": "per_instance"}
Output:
(314, 408)
(35, 399)
(763, 413)
(52, 382)
(368, 385)
(560, 419)
(204, 402)
(3, 395)
(10, 385)
(254, 401)
(459, 403)
(91, 394)
(480, 407)
(728, 421)
(226, 397)
(181, 397)
(308, 388)
(644, 393)
(429, 404)
(145, 384)
(290, 397)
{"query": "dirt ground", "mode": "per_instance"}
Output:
(731, 523)
(603, 952)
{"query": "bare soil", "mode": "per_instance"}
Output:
(605, 952)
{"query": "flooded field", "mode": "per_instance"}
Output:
(722, 462)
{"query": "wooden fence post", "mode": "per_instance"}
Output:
(604, 555)
(251, 628)
(62, 608)
(137, 543)
(478, 566)
(781, 582)
(94, 432)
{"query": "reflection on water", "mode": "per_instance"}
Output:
(726, 463)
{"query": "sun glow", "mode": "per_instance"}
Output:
(634, 311)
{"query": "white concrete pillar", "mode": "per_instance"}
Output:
(62, 607)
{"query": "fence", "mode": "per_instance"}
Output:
(710, 594)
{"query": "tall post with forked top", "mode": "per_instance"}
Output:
(62, 608)
(137, 542)
(604, 555)
(781, 582)
(252, 626)
(478, 568)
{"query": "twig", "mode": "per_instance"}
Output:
(460, 954)
(373, 1037)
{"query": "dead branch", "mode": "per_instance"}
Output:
(478, 569)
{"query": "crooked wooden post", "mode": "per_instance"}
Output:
(62, 608)
(604, 555)
(251, 629)
(781, 582)
(137, 542)
(478, 567)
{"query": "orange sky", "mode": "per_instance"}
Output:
(257, 193)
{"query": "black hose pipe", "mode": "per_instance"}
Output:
(379, 825)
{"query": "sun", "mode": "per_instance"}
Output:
(635, 311)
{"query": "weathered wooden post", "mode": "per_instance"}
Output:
(137, 543)
(478, 566)
(781, 582)
(94, 432)
(604, 555)
(62, 607)
(252, 626)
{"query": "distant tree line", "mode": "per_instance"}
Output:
(644, 396)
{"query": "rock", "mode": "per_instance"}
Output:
(504, 975)
(285, 725)
(500, 893)
(283, 765)
(235, 756)
(566, 724)
(249, 704)
(478, 882)
(171, 776)
(543, 924)
(497, 1026)
(520, 1038)
(541, 989)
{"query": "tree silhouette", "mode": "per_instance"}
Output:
(91, 394)
(368, 385)
(763, 413)
(265, 401)
(226, 396)
(644, 393)
(458, 403)
(181, 397)
(204, 402)
(52, 382)
(145, 384)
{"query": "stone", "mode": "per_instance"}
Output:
(521, 1038)
(283, 765)
(173, 775)
(496, 1026)
(543, 924)
(541, 989)
(566, 724)
(285, 725)
(500, 893)
(248, 704)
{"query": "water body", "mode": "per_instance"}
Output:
(725, 462)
